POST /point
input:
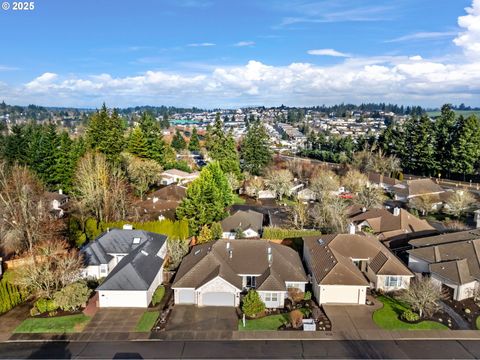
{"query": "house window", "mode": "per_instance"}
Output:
(251, 283)
(271, 297)
(393, 281)
(103, 269)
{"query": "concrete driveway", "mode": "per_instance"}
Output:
(351, 319)
(120, 320)
(210, 318)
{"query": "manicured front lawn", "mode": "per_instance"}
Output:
(272, 322)
(387, 317)
(62, 324)
(147, 321)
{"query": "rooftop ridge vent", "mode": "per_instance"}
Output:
(144, 253)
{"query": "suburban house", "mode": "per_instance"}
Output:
(452, 260)
(215, 274)
(306, 195)
(382, 181)
(393, 228)
(249, 223)
(344, 266)
(103, 254)
(162, 203)
(416, 188)
(57, 200)
(177, 176)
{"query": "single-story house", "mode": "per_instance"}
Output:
(58, 201)
(452, 260)
(306, 195)
(395, 227)
(416, 188)
(382, 181)
(344, 266)
(161, 203)
(215, 274)
(177, 176)
(103, 254)
(135, 278)
(250, 222)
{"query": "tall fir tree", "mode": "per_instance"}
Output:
(194, 143)
(255, 151)
(466, 146)
(178, 142)
(444, 133)
(137, 144)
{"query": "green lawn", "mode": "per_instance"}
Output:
(147, 321)
(477, 322)
(387, 317)
(272, 322)
(237, 200)
(62, 324)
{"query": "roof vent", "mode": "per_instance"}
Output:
(127, 227)
(228, 245)
(230, 253)
(144, 253)
(136, 240)
(197, 252)
(269, 250)
(320, 241)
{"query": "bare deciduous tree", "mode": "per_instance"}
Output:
(233, 181)
(423, 296)
(299, 213)
(253, 186)
(369, 160)
(142, 173)
(101, 190)
(370, 197)
(330, 214)
(53, 267)
(25, 212)
(177, 249)
(425, 204)
(459, 202)
(323, 183)
(354, 181)
(280, 181)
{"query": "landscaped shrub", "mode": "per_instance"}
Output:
(72, 296)
(275, 233)
(158, 295)
(296, 317)
(173, 229)
(10, 296)
(296, 295)
(45, 305)
(252, 304)
(410, 316)
(307, 296)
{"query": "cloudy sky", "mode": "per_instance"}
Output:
(226, 53)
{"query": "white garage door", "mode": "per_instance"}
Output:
(186, 296)
(341, 295)
(218, 299)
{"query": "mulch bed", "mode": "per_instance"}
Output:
(461, 306)
(58, 313)
(166, 305)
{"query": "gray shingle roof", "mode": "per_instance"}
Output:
(115, 241)
(138, 269)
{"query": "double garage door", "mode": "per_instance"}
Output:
(342, 295)
(207, 299)
(218, 299)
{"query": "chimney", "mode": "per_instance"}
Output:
(364, 209)
(477, 218)
(230, 253)
(60, 191)
(270, 259)
(351, 229)
(228, 245)
(396, 211)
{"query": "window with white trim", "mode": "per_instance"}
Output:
(251, 282)
(271, 296)
(393, 281)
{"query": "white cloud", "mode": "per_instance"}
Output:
(327, 52)
(469, 40)
(204, 44)
(244, 43)
(424, 36)
(401, 79)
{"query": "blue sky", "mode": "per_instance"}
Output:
(232, 53)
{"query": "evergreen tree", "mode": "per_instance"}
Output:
(466, 145)
(194, 143)
(444, 127)
(15, 146)
(255, 151)
(65, 162)
(178, 142)
(157, 149)
(419, 149)
(137, 144)
(206, 198)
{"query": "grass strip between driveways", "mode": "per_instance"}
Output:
(146, 322)
(61, 324)
(272, 322)
(387, 317)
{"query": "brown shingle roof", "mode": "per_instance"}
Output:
(332, 264)
(446, 238)
(456, 271)
(244, 220)
(248, 257)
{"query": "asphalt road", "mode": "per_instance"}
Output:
(331, 349)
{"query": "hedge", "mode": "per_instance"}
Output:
(10, 296)
(274, 233)
(173, 229)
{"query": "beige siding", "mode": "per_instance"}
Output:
(342, 294)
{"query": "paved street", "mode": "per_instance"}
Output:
(242, 349)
